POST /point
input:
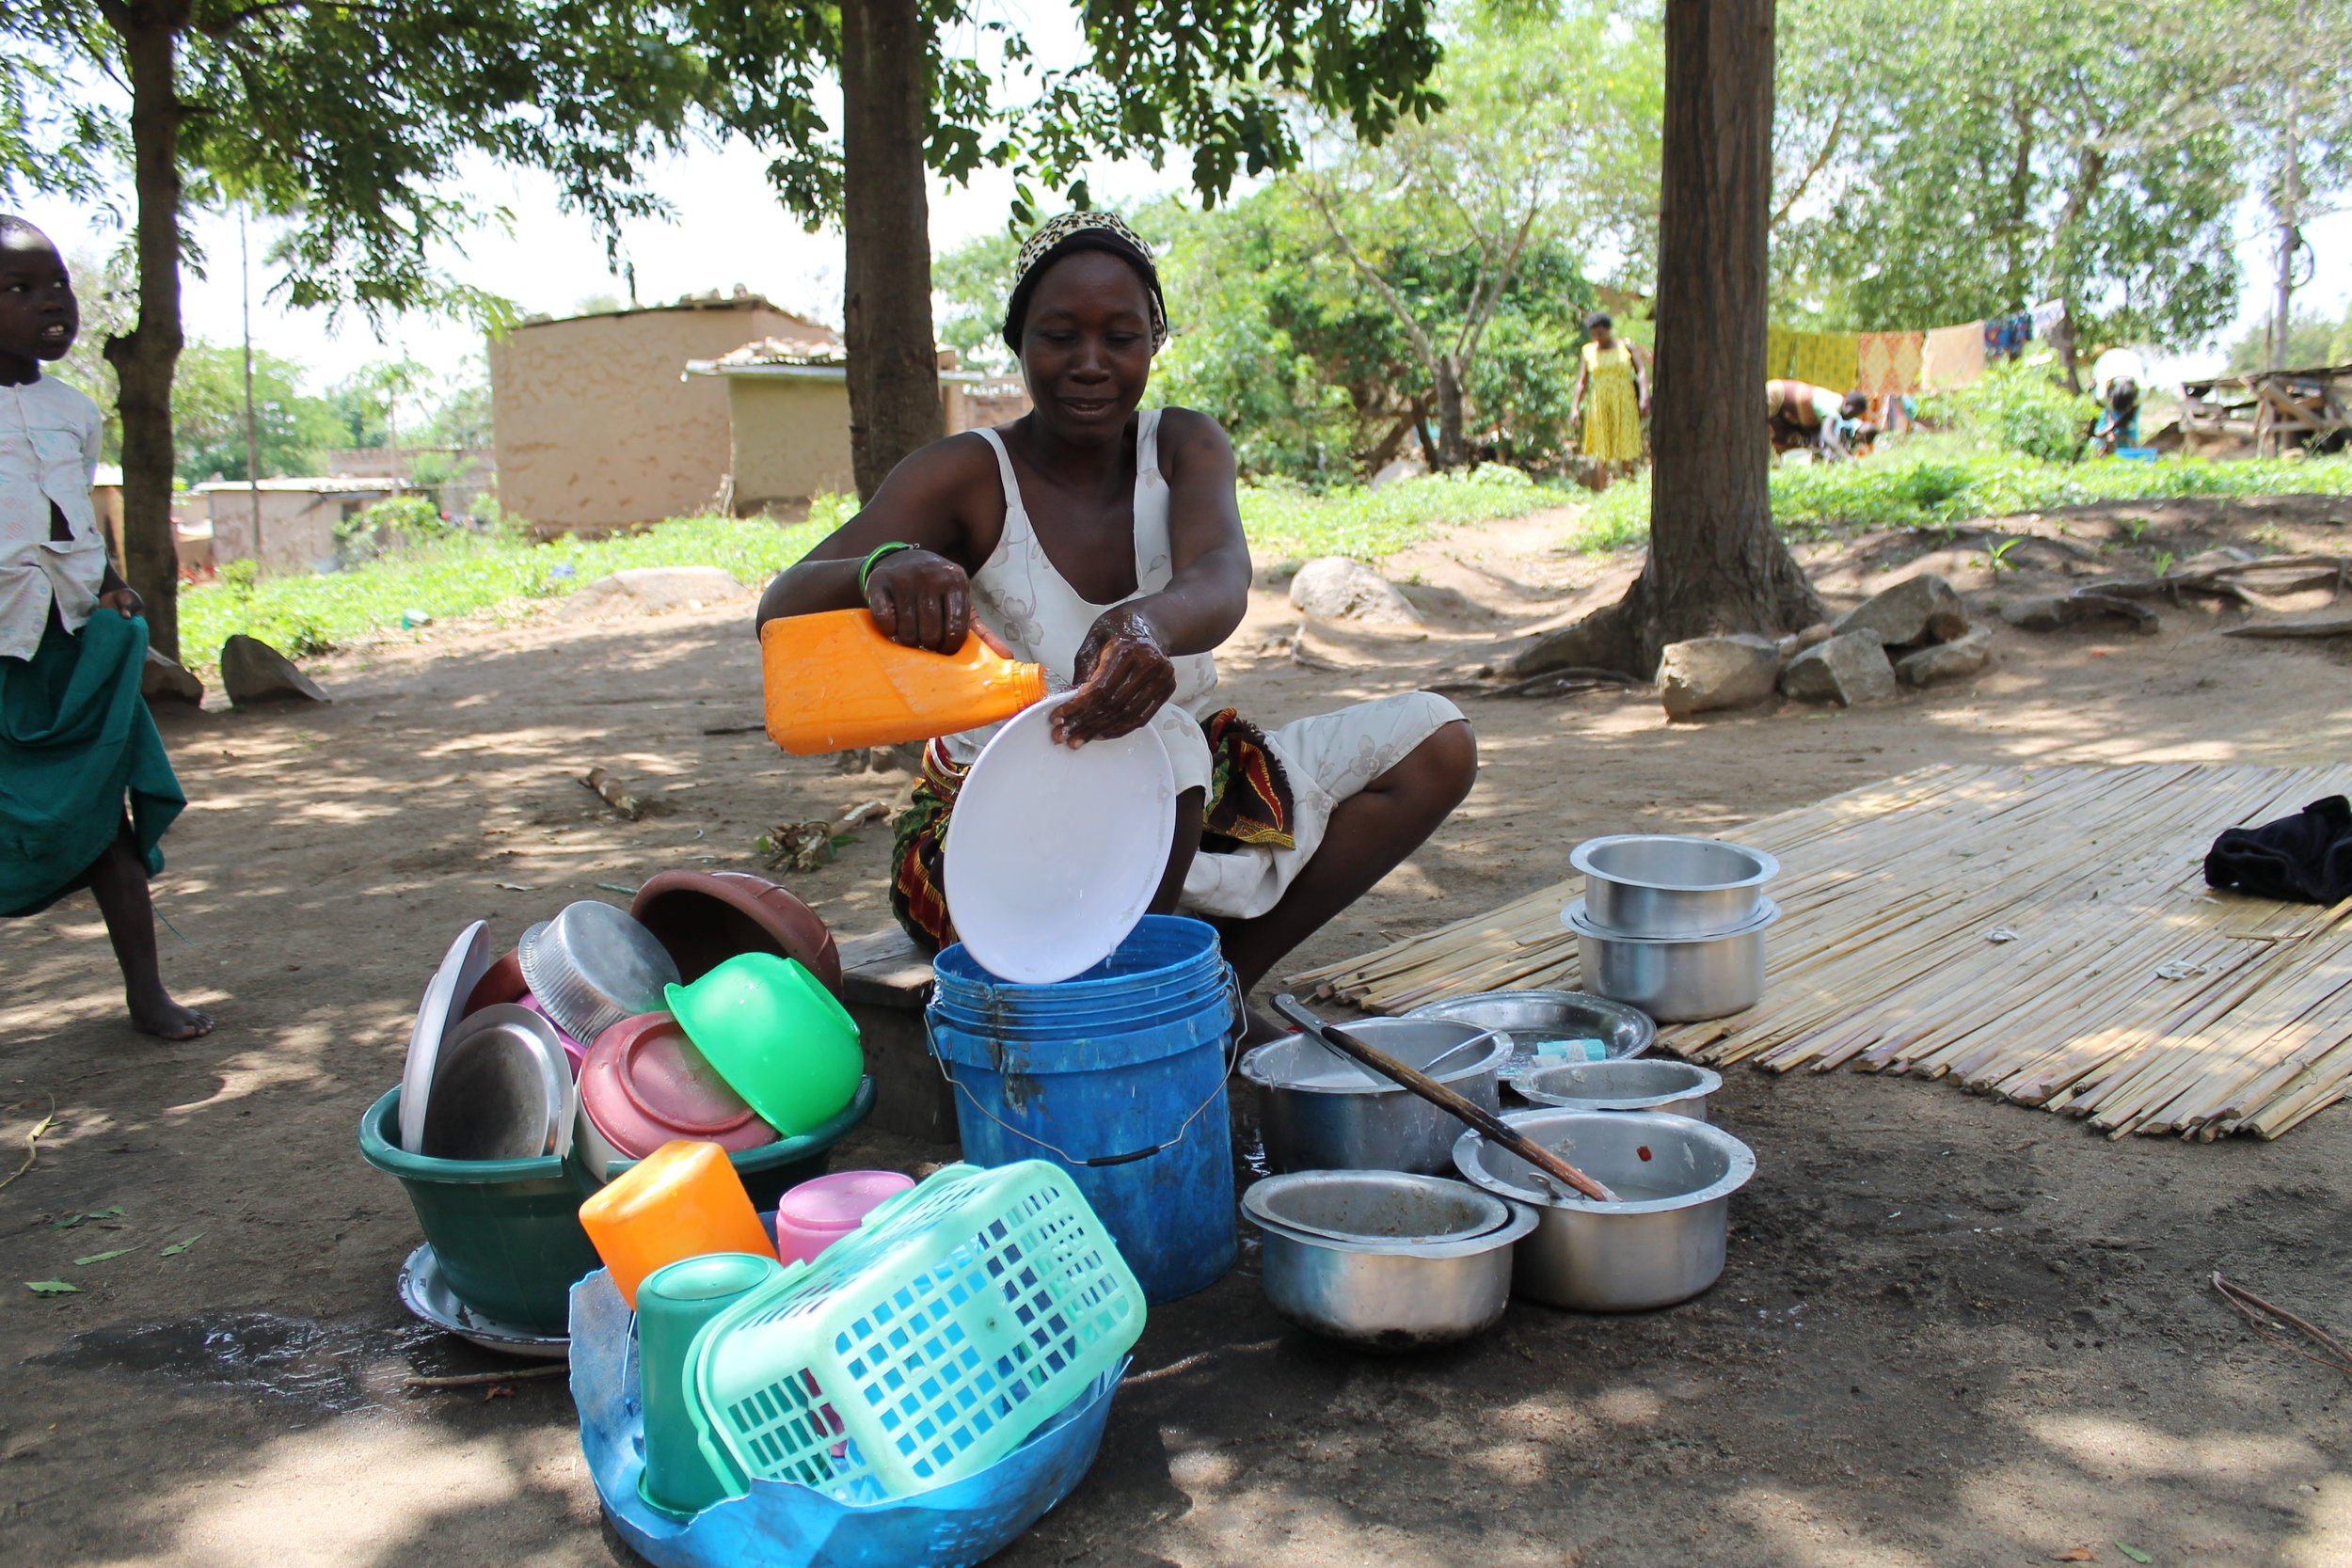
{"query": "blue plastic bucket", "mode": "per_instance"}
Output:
(1126, 1093)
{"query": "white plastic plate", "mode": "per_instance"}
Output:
(445, 995)
(1054, 854)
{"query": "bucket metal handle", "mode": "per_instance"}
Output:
(1232, 1055)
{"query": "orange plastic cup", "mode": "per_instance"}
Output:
(834, 683)
(682, 1200)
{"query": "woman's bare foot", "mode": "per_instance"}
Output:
(160, 1016)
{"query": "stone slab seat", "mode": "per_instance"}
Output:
(886, 983)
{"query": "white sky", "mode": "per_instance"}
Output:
(729, 230)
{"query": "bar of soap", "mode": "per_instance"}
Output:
(1572, 1051)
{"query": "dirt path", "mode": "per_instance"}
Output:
(1952, 1332)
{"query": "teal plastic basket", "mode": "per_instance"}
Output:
(922, 1348)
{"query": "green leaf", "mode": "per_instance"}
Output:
(102, 1257)
(52, 1288)
(176, 1249)
(842, 841)
(2134, 1553)
(73, 1220)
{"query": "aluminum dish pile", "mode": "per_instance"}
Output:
(1673, 926)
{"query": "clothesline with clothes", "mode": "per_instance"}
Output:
(1883, 365)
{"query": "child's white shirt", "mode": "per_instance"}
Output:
(49, 445)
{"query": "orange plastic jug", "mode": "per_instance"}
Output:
(834, 682)
(683, 1200)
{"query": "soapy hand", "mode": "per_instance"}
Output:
(920, 600)
(1124, 678)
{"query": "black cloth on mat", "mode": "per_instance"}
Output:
(2305, 859)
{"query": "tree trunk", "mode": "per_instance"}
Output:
(1716, 564)
(1453, 452)
(885, 224)
(146, 357)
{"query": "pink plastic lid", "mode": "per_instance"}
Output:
(645, 1084)
(840, 1201)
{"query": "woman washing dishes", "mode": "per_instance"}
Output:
(1102, 540)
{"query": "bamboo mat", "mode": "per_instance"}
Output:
(2040, 934)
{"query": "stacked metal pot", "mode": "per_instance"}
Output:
(1672, 924)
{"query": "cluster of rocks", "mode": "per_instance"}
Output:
(1915, 633)
(251, 673)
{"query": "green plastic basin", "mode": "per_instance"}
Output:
(777, 1036)
(507, 1231)
(771, 1169)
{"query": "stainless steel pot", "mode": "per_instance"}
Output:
(1663, 1244)
(1384, 1260)
(1675, 980)
(1668, 885)
(1527, 1019)
(1677, 1088)
(1320, 1111)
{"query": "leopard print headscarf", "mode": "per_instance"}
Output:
(1047, 238)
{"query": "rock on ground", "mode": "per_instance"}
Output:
(1962, 657)
(169, 680)
(1850, 669)
(1924, 609)
(1333, 587)
(253, 672)
(650, 590)
(1708, 672)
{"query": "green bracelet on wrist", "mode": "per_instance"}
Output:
(874, 559)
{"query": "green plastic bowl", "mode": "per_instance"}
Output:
(772, 1169)
(507, 1231)
(777, 1036)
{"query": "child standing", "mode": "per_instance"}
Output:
(75, 736)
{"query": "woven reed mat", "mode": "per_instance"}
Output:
(2040, 934)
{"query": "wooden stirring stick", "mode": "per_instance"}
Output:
(1467, 1111)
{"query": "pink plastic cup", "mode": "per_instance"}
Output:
(817, 1213)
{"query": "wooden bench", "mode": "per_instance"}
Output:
(886, 983)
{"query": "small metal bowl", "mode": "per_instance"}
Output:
(1525, 1020)
(1677, 1088)
(1670, 885)
(1673, 980)
(1383, 1259)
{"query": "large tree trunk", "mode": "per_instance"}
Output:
(885, 222)
(146, 357)
(1716, 564)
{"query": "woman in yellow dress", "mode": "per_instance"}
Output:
(1619, 382)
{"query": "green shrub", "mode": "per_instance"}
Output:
(2020, 407)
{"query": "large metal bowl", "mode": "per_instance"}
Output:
(1663, 1244)
(1677, 1088)
(1384, 1260)
(1669, 885)
(1675, 980)
(1320, 1111)
(1529, 1019)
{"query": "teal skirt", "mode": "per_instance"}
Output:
(76, 742)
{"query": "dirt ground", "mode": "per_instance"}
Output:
(1952, 1332)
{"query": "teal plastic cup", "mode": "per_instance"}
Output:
(777, 1036)
(673, 1305)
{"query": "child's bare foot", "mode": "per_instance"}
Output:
(160, 1016)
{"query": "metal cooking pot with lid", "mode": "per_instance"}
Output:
(1320, 1110)
(1385, 1260)
(1663, 1244)
(1671, 886)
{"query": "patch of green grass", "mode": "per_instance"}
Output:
(1284, 520)
(1930, 484)
(464, 573)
